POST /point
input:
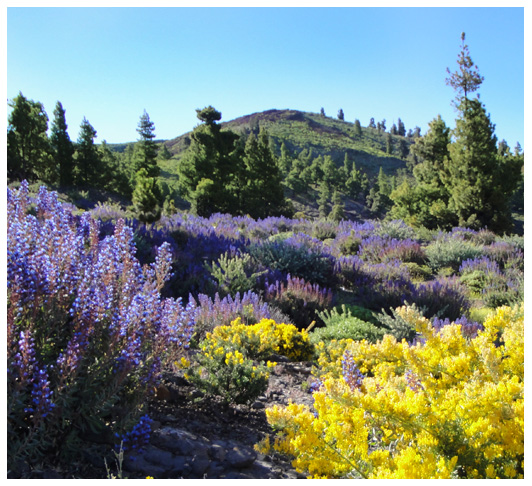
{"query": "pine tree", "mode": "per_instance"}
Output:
(115, 176)
(146, 198)
(423, 201)
(214, 157)
(372, 123)
(163, 153)
(479, 184)
(28, 149)
(389, 146)
(467, 79)
(358, 128)
(87, 170)
(263, 192)
(285, 161)
(401, 130)
(62, 147)
(322, 112)
(323, 199)
(338, 210)
(146, 148)
(341, 114)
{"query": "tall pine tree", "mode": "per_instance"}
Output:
(87, 170)
(263, 194)
(479, 182)
(62, 147)
(28, 150)
(210, 170)
(146, 149)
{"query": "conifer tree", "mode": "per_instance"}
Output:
(146, 196)
(285, 161)
(263, 193)
(401, 130)
(338, 210)
(424, 200)
(62, 147)
(87, 169)
(358, 128)
(479, 183)
(323, 199)
(389, 146)
(28, 150)
(341, 114)
(467, 79)
(146, 149)
(214, 157)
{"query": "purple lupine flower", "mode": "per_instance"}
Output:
(350, 372)
(138, 438)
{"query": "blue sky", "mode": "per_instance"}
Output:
(109, 64)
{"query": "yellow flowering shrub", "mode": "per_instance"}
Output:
(447, 407)
(265, 338)
(231, 359)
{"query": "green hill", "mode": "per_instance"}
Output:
(323, 135)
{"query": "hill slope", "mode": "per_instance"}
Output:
(323, 135)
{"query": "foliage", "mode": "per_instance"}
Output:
(146, 149)
(450, 251)
(216, 311)
(87, 330)
(263, 193)
(344, 325)
(27, 144)
(146, 197)
(479, 181)
(88, 167)
(448, 407)
(299, 300)
(209, 170)
(227, 373)
(226, 364)
(235, 273)
(62, 147)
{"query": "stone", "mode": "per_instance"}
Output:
(240, 457)
(217, 452)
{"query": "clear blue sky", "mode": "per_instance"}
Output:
(109, 64)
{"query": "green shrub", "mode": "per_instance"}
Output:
(227, 373)
(418, 272)
(343, 325)
(298, 260)
(231, 361)
(474, 281)
(451, 252)
(234, 273)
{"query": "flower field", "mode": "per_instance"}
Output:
(416, 335)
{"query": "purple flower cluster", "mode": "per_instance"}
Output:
(378, 249)
(212, 312)
(483, 263)
(137, 438)
(298, 299)
(469, 328)
(352, 375)
(83, 314)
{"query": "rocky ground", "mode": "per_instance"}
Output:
(195, 437)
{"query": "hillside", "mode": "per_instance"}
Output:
(324, 135)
